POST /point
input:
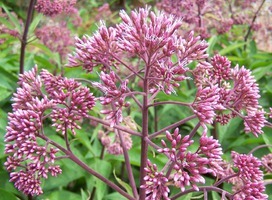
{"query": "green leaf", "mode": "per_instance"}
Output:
(215, 196)
(6, 23)
(13, 19)
(260, 72)
(59, 195)
(43, 62)
(124, 184)
(231, 47)
(6, 195)
(84, 195)
(4, 93)
(212, 41)
(35, 23)
(114, 195)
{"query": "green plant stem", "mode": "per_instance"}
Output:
(172, 126)
(24, 38)
(203, 188)
(87, 168)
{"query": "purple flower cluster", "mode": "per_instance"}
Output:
(30, 158)
(188, 167)
(57, 38)
(225, 92)
(151, 37)
(250, 183)
(114, 96)
(54, 7)
(156, 183)
(204, 16)
(110, 139)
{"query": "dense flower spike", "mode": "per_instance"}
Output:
(29, 159)
(97, 50)
(250, 185)
(250, 191)
(155, 186)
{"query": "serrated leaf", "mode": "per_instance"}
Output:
(124, 184)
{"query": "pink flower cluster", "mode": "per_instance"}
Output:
(57, 38)
(225, 92)
(30, 158)
(204, 16)
(188, 167)
(150, 37)
(155, 186)
(250, 184)
(54, 7)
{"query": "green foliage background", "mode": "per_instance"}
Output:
(75, 183)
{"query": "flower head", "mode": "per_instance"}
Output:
(54, 7)
(155, 184)
(29, 159)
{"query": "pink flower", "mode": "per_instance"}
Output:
(114, 96)
(248, 166)
(97, 50)
(267, 162)
(255, 122)
(155, 185)
(57, 38)
(188, 167)
(206, 103)
(54, 7)
(251, 191)
(37, 98)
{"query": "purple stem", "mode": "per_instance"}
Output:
(252, 22)
(121, 128)
(127, 162)
(170, 102)
(172, 126)
(144, 144)
(202, 188)
(87, 168)
(24, 38)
